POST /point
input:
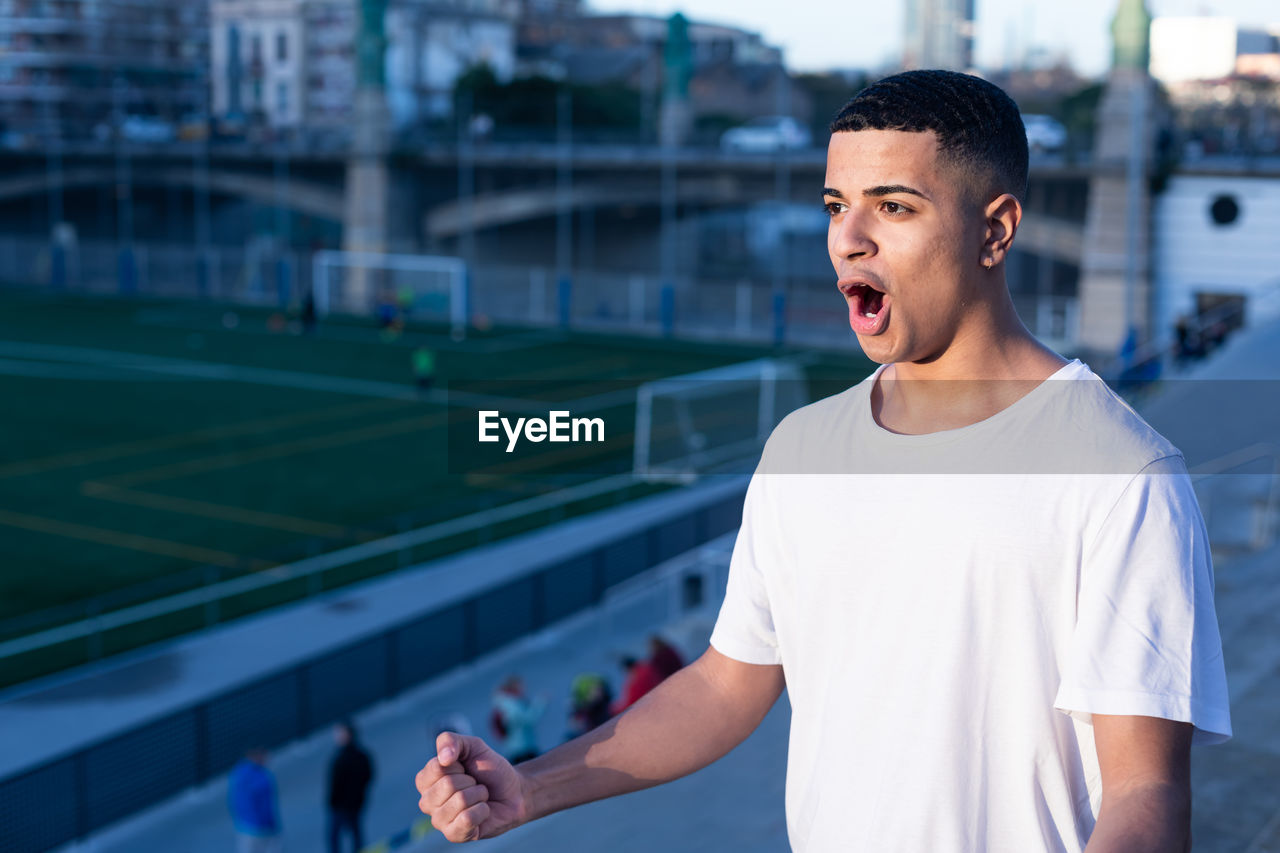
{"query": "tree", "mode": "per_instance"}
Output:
(529, 103)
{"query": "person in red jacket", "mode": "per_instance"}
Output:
(664, 657)
(641, 678)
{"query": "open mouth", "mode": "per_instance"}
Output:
(866, 300)
(869, 307)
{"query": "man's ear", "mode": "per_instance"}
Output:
(1003, 215)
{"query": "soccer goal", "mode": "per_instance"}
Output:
(425, 287)
(706, 421)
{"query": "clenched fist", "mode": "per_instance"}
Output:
(470, 791)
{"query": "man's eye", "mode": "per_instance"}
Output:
(893, 208)
(833, 208)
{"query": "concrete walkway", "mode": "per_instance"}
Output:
(740, 797)
(737, 803)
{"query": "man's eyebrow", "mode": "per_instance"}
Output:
(878, 192)
(892, 189)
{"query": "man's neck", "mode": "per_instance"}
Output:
(977, 377)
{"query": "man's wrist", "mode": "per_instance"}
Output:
(534, 796)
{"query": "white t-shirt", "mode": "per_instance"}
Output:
(949, 609)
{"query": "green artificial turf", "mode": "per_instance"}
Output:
(135, 484)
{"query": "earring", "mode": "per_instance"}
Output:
(987, 263)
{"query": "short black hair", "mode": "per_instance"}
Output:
(977, 124)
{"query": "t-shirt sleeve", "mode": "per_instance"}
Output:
(1146, 638)
(744, 630)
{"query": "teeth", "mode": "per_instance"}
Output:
(869, 314)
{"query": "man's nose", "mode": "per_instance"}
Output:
(851, 240)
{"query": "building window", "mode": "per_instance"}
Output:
(282, 99)
(1224, 210)
(282, 47)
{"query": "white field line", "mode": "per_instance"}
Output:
(302, 568)
(295, 379)
(193, 320)
(63, 370)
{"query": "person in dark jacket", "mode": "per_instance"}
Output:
(349, 776)
(251, 799)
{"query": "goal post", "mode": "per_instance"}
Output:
(699, 422)
(432, 287)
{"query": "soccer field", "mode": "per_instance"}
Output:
(151, 447)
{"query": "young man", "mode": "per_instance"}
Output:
(983, 579)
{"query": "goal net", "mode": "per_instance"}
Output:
(429, 288)
(706, 421)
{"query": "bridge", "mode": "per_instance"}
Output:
(514, 183)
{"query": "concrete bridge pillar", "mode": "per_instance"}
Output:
(364, 218)
(1115, 273)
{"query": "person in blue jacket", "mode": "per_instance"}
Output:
(251, 798)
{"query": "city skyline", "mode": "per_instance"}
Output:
(1006, 30)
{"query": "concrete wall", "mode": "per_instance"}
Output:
(1194, 254)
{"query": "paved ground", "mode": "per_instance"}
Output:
(740, 797)
(735, 804)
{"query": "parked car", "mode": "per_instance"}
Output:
(768, 133)
(1044, 133)
(193, 127)
(146, 129)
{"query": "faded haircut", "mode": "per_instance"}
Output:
(978, 126)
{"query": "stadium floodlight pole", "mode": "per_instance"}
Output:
(564, 210)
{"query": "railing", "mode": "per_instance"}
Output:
(209, 600)
(737, 309)
(1254, 497)
(260, 275)
(1147, 361)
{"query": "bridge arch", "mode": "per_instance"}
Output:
(304, 197)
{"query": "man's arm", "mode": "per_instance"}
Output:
(688, 721)
(1146, 785)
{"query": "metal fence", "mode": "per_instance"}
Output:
(264, 275)
(259, 274)
(805, 310)
(72, 796)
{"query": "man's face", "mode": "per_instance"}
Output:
(905, 240)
